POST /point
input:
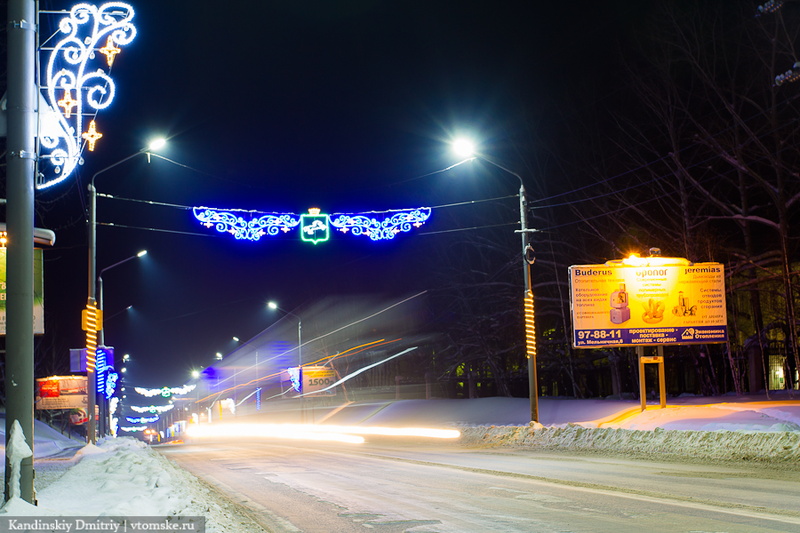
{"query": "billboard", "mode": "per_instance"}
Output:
(655, 301)
(38, 291)
(318, 378)
(61, 392)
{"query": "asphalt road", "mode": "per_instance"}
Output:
(396, 485)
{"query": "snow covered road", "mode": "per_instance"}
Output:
(398, 486)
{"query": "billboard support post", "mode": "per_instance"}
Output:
(662, 387)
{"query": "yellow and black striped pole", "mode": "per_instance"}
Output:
(92, 322)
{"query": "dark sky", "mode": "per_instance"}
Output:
(283, 106)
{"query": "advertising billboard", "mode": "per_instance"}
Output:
(318, 378)
(61, 392)
(660, 301)
(38, 291)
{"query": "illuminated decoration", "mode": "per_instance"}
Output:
(258, 399)
(377, 228)
(165, 392)
(252, 228)
(104, 374)
(770, 7)
(229, 404)
(110, 50)
(113, 405)
(530, 327)
(67, 103)
(111, 384)
(73, 70)
(91, 320)
(91, 136)
(314, 226)
(295, 376)
(142, 419)
(132, 429)
(791, 75)
(153, 408)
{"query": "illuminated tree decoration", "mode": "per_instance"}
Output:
(246, 225)
(73, 69)
(314, 226)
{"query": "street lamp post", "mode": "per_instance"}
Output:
(93, 322)
(466, 149)
(273, 305)
(101, 341)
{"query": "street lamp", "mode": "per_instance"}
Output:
(466, 149)
(101, 334)
(92, 322)
(273, 306)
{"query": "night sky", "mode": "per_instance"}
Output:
(282, 106)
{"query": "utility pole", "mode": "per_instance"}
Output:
(20, 172)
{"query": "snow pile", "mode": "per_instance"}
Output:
(124, 477)
(757, 431)
(721, 445)
(47, 442)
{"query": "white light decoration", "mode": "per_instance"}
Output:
(314, 226)
(295, 377)
(142, 419)
(132, 429)
(76, 86)
(113, 405)
(166, 392)
(152, 408)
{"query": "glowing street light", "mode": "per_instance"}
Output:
(466, 149)
(272, 305)
(101, 333)
(100, 337)
(93, 324)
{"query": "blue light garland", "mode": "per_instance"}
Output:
(377, 228)
(250, 228)
(314, 226)
(104, 372)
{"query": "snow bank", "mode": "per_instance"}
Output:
(713, 429)
(124, 477)
(47, 442)
(722, 445)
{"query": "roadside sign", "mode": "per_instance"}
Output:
(316, 379)
(657, 301)
(61, 392)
